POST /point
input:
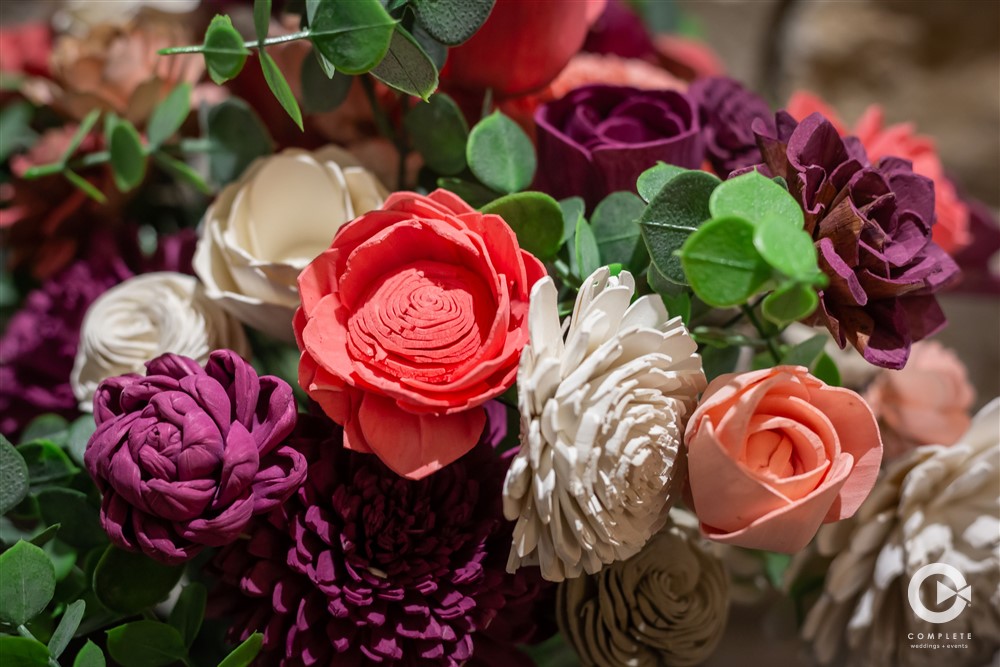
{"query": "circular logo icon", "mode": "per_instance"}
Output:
(959, 590)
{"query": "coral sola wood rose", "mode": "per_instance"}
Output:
(413, 319)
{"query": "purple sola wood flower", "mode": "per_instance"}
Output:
(362, 566)
(186, 455)
(872, 230)
(727, 112)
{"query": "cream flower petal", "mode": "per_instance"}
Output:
(144, 317)
(266, 227)
(603, 412)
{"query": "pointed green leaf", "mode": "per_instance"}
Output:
(244, 654)
(145, 644)
(439, 133)
(721, 264)
(354, 36)
(86, 125)
(588, 255)
(261, 19)
(407, 67)
(42, 538)
(83, 184)
(169, 115)
(90, 656)
(615, 223)
(826, 370)
(181, 171)
(279, 87)
(189, 611)
(80, 520)
(653, 179)
(535, 218)
(68, 624)
(474, 194)
(13, 476)
(806, 353)
(128, 159)
(452, 21)
(27, 584)
(677, 210)
(757, 199)
(46, 462)
(224, 51)
(500, 154)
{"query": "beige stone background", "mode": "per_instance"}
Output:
(932, 62)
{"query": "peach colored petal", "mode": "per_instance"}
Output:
(417, 445)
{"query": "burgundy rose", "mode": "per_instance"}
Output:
(872, 228)
(598, 139)
(185, 456)
(727, 112)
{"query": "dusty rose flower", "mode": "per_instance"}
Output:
(925, 403)
(186, 455)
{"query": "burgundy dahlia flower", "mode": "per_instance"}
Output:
(872, 229)
(727, 112)
(362, 566)
(186, 455)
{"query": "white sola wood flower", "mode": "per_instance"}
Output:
(602, 421)
(144, 317)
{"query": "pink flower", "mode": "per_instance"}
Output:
(925, 403)
(901, 140)
(774, 453)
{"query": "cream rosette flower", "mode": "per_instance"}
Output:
(602, 421)
(937, 504)
(666, 605)
(266, 227)
(144, 317)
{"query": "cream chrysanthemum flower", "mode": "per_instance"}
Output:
(935, 505)
(602, 421)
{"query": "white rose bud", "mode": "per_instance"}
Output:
(144, 317)
(602, 422)
(266, 227)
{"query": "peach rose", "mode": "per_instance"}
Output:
(901, 140)
(774, 453)
(925, 403)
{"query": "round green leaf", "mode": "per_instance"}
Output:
(237, 137)
(758, 199)
(13, 476)
(189, 611)
(90, 656)
(653, 179)
(79, 435)
(722, 265)
(789, 303)
(439, 133)
(474, 194)
(321, 93)
(27, 584)
(145, 644)
(407, 67)
(500, 154)
(129, 582)
(535, 218)
(826, 370)
(452, 21)
(354, 36)
(245, 653)
(46, 427)
(806, 353)
(789, 250)
(46, 462)
(23, 652)
(128, 160)
(81, 524)
(615, 222)
(223, 50)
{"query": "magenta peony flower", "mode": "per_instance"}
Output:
(727, 111)
(598, 139)
(362, 566)
(185, 456)
(872, 228)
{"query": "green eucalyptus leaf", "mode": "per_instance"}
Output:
(46, 427)
(81, 524)
(27, 584)
(261, 19)
(407, 67)
(757, 199)
(237, 137)
(44, 537)
(46, 462)
(169, 115)
(806, 353)
(354, 36)
(84, 185)
(653, 179)
(279, 87)
(244, 654)
(615, 223)
(536, 219)
(128, 582)
(86, 125)
(90, 656)
(13, 476)
(23, 652)
(79, 435)
(716, 361)
(500, 154)
(452, 21)
(223, 49)
(789, 250)
(678, 305)
(437, 51)
(322, 92)
(15, 128)
(439, 133)
(189, 611)
(145, 644)
(572, 210)
(474, 194)
(826, 370)
(789, 303)
(68, 624)
(182, 171)
(677, 210)
(588, 255)
(721, 264)
(128, 157)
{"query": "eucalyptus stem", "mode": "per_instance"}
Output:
(249, 44)
(187, 146)
(565, 274)
(768, 340)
